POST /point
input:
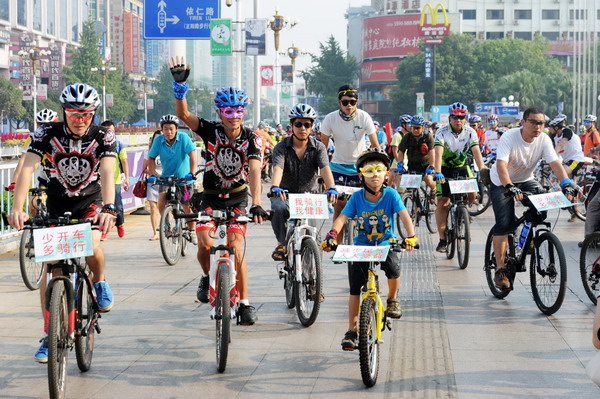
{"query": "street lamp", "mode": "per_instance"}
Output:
(277, 23)
(103, 71)
(34, 55)
(294, 52)
(145, 79)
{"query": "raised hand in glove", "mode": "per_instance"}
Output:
(179, 70)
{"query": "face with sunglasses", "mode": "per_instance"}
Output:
(457, 122)
(302, 128)
(532, 126)
(348, 104)
(77, 121)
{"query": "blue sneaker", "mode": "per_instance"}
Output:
(41, 356)
(104, 296)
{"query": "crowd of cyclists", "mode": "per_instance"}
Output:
(343, 148)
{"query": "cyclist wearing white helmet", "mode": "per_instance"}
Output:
(80, 164)
(567, 145)
(591, 146)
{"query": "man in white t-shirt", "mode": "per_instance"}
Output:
(517, 155)
(348, 127)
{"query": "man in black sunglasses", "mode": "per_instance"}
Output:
(348, 127)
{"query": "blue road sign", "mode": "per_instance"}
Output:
(486, 108)
(507, 111)
(179, 19)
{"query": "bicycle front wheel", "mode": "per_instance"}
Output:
(548, 273)
(84, 335)
(185, 233)
(483, 201)
(450, 234)
(31, 271)
(58, 340)
(368, 345)
(589, 266)
(170, 236)
(490, 267)
(411, 207)
(308, 291)
(463, 237)
(429, 213)
(223, 317)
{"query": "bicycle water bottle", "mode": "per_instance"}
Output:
(524, 233)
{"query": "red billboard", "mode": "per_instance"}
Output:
(379, 71)
(391, 36)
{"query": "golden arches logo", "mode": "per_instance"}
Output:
(434, 13)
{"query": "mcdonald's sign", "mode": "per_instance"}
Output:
(434, 29)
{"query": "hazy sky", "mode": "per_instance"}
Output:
(318, 20)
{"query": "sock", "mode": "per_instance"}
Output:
(245, 302)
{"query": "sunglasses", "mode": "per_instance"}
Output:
(456, 117)
(233, 112)
(307, 125)
(79, 116)
(473, 125)
(351, 102)
(536, 123)
(587, 122)
(373, 170)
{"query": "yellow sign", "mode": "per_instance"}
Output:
(434, 14)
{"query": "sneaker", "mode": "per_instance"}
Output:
(104, 296)
(350, 341)
(442, 246)
(121, 231)
(202, 293)
(103, 237)
(573, 218)
(393, 308)
(501, 279)
(247, 315)
(194, 238)
(41, 356)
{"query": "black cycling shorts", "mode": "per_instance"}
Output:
(80, 207)
(358, 272)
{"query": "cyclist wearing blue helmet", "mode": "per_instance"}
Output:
(233, 162)
(475, 123)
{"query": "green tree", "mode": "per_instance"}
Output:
(11, 99)
(333, 69)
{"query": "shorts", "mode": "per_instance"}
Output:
(346, 179)
(358, 272)
(504, 207)
(238, 203)
(575, 166)
(443, 190)
(152, 192)
(80, 207)
(417, 168)
(181, 192)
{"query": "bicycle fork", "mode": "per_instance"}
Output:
(220, 261)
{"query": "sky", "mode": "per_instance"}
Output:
(318, 19)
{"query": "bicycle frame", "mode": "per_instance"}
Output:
(372, 291)
(302, 230)
(517, 260)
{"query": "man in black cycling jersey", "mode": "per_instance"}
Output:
(80, 163)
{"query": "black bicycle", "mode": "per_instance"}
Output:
(547, 263)
(32, 271)
(418, 204)
(458, 228)
(589, 266)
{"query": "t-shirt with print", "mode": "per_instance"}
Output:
(72, 165)
(375, 219)
(491, 140)
(456, 146)
(417, 149)
(348, 135)
(520, 156)
(227, 162)
(572, 151)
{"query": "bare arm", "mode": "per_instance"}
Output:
(181, 109)
(125, 168)
(558, 170)
(407, 222)
(254, 180)
(327, 176)
(18, 168)
(151, 166)
(438, 151)
(193, 162)
(501, 167)
(374, 141)
(277, 175)
(339, 222)
(107, 167)
(325, 140)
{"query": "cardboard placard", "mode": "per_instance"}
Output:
(411, 181)
(361, 253)
(463, 186)
(553, 200)
(64, 242)
(308, 206)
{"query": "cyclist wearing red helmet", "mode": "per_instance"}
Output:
(491, 135)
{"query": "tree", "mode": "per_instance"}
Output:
(333, 69)
(11, 99)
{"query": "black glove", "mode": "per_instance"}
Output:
(484, 175)
(180, 73)
(569, 191)
(258, 211)
(513, 190)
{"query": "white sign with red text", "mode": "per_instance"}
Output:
(553, 200)
(308, 206)
(64, 242)
(463, 186)
(411, 181)
(360, 253)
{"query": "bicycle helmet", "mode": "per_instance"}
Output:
(458, 109)
(559, 120)
(303, 111)
(475, 119)
(317, 127)
(372, 154)
(435, 125)
(169, 119)
(417, 120)
(262, 125)
(405, 119)
(590, 118)
(80, 96)
(46, 116)
(230, 97)
(493, 117)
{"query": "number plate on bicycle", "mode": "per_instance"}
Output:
(553, 200)
(411, 181)
(360, 253)
(64, 242)
(463, 186)
(308, 206)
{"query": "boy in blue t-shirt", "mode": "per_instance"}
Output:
(375, 207)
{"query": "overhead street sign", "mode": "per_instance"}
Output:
(439, 40)
(181, 19)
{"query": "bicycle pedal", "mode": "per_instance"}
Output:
(97, 328)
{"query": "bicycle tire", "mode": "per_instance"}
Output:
(463, 237)
(58, 337)
(483, 201)
(349, 230)
(31, 271)
(185, 233)
(84, 339)
(170, 239)
(288, 280)
(450, 236)
(589, 266)
(368, 346)
(429, 214)
(411, 207)
(548, 293)
(490, 268)
(222, 317)
(308, 292)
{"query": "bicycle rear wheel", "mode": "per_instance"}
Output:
(222, 317)
(490, 268)
(308, 291)
(85, 325)
(349, 232)
(548, 273)
(31, 271)
(185, 233)
(368, 346)
(450, 235)
(589, 266)
(58, 340)
(170, 236)
(483, 201)
(463, 237)
(429, 214)
(288, 280)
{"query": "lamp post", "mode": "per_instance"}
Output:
(103, 71)
(277, 23)
(34, 55)
(294, 52)
(145, 80)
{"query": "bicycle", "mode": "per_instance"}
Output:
(222, 276)
(417, 202)
(483, 201)
(458, 230)
(32, 271)
(548, 280)
(589, 266)
(73, 308)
